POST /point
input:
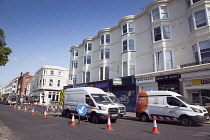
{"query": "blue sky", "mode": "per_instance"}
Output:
(41, 32)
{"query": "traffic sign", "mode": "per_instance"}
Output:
(81, 109)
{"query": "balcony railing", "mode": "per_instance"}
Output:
(195, 63)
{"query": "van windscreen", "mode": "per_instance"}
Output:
(101, 99)
(184, 100)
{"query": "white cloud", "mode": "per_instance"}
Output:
(42, 58)
(15, 58)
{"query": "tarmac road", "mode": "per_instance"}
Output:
(19, 125)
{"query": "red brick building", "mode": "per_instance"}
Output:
(24, 82)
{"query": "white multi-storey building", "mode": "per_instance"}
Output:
(47, 83)
(166, 47)
(12, 86)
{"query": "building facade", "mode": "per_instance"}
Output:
(23, 88)
(12, 86)
(158, 46)
(47, 83)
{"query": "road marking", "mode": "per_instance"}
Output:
(201, 134)
(8, 131)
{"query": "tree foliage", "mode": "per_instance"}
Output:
(4, 51)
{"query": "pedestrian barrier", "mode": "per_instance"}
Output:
(155, 128)
(45, 114)
(72, 120)
(109, 126)
(54, 110)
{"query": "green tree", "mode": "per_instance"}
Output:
(4, 51)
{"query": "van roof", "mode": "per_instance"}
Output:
(149, 93)
(87, 89)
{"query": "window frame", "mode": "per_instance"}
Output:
(87, 59)
(161, 65)
(159, 14)
(162, 33)
(126, 47)
(193, 22)
(127, 28)
(88, 46)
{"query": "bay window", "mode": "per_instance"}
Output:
(87, 59)
(86, 77)
(104, 73)
(88, 47)
(161, 32)
(105, 38)
(159, 13)
(128, 45)
(198, 19)
(201, 51)
(129, 68)
(105, 53)
(128, 28)
(163, 60)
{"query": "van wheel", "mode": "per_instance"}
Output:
(144, 117)
(185, 121)
(94, 119)
(68, 114)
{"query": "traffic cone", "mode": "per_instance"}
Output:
(109, 126)
(155, 128)
(18, 107)
(73, 120)
(14, 106)
(25, 109)
(45, 114)
(32, 111)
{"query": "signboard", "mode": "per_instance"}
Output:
(201, 82)
(117, 81)
(167, 77)
(69, 82)
(81, 109)
(145, 80)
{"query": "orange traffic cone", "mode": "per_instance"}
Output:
(32, 111)
(45, 114)
(109, 126)
(155, 129)
(14, 106)
(18, 107)
(25, 109)
(73, 120)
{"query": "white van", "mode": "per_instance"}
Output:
(98, 104)
(117, 102)
(168, 106)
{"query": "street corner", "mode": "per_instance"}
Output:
(4, 131)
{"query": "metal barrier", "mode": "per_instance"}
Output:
(54, 110)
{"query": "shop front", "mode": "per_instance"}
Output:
(197, 87)
(168, 82)
(125, 90)
(146, 84)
